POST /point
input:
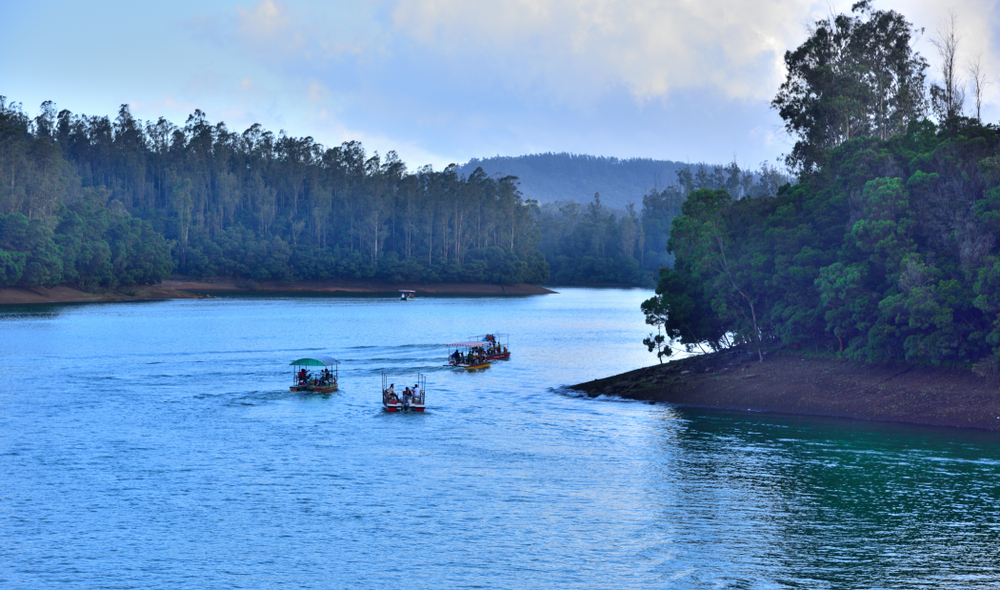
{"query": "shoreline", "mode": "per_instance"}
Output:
(351, 286)
(182, 288)
(791, 383)
(63, 294)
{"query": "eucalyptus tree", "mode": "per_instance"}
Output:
(948, 98)
(129, 146)
(855, 75)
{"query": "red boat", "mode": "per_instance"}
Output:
(496, 346)
(406, 399)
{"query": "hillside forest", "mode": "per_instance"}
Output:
(886, 247)
(101, 204)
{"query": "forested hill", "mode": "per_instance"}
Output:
(550, 177)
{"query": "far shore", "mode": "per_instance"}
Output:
(182, 288)
(791, 383)
(352, 286)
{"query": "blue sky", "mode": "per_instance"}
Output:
(443, 81)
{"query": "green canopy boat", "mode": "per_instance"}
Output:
(323, 381)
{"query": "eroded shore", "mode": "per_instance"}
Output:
(196, 289)
(793, 384)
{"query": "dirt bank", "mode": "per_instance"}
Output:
(198, 288)
(18, 296)
(353, 286)
(814, 386)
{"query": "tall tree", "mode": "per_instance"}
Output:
(948, 98)
(856, 75)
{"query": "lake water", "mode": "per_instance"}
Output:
(156, 445)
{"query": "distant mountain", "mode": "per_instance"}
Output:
(575, 177)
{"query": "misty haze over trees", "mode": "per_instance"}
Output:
(886, 249)
(551, 178)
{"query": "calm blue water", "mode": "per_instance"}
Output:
(156, 445)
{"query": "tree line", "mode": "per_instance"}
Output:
(255, 207)
(249, 205)
(886, 247)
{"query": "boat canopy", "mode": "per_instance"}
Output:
(406, 291)
(469, 343)
(319, 361)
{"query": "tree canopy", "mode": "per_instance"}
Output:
(857, 75)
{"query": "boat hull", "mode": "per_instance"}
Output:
(313, 389)
(401, 408)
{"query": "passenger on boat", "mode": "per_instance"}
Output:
(407, 397)
(457, 356)
(303, 375)
(416, 394)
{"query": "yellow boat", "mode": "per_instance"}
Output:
(472, 359)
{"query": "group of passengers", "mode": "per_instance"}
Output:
(474, 357)
(409, 396)
(324, 379)
(494, 348)
(478, 355)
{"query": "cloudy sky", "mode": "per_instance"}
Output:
(443, 81)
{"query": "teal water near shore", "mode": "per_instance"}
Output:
(156, 445)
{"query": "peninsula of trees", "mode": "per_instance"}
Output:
(886, 247)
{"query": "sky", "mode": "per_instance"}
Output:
(443, 81)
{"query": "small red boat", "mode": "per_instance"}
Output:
(406, 399)
(496, 346)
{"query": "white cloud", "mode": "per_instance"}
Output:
(265, 22)
(317, 92)
(468, 77)
(650, 47)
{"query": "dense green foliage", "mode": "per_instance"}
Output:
(885, 250)
(102, 202)
(887, 253)
(91, 248)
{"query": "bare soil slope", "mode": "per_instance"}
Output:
(20, 296)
